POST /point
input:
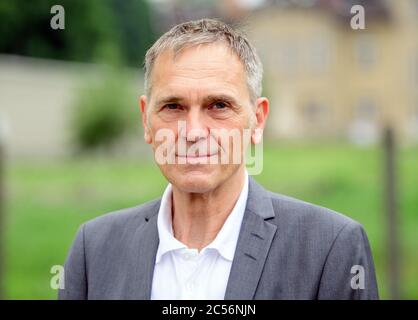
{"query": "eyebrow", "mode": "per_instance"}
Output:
(208, 99)
(169, 99)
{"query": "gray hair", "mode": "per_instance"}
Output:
(206, 31)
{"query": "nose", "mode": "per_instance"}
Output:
(196, 128)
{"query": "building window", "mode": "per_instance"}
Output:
(411, 71)
(415, 6)
(413, 122)
(415, 70)
(365, 51)
(415, 115)
(289, 57)
(363, 129)
(314, 113)
(366, 109)
(319, 54)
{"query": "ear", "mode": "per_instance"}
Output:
(147, 129)
(261, 114)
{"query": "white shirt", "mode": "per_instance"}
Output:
(184, 273)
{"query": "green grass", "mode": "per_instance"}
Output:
(47, 201)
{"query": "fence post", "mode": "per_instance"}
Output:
(2, 208)
(391, 212)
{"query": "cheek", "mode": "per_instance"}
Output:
(233, 121)
(163, 134)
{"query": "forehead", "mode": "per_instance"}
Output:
(199, 70)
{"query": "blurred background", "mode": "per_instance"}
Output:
(343, 130)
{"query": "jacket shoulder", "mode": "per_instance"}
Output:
(310, 216)
(122, 219)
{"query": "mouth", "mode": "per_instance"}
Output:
(194, 156)
(195, 159)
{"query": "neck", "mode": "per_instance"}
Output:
(198, 217)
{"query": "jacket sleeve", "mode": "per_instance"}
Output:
(75, 278)
(349, 272)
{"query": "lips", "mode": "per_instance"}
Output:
(195, 156)
(195, 159)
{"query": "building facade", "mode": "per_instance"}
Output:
(326, 79)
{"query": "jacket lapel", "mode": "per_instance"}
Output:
(253, 245)
(146, 240)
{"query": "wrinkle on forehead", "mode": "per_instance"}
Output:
(200, 67)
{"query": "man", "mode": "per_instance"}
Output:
(216, 233)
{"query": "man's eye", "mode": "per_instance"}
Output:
(219, 105)
(171, 106)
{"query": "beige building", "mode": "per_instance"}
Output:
(326, 79)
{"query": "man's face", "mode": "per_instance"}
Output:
(201, 89)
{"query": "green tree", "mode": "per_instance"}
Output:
(104, 111)
(90, 26)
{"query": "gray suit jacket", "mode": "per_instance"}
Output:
(287, 249)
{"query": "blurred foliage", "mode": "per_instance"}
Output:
(90, 26)
(103, 111)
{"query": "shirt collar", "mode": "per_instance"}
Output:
(226, 239)
(165, 226)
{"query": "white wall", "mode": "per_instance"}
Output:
(36, 97)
